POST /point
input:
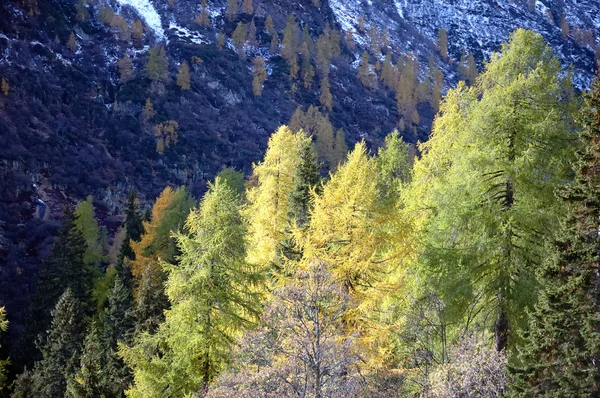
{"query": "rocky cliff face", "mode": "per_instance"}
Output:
(479, 26)
(72, 128)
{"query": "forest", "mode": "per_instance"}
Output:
(466, 266)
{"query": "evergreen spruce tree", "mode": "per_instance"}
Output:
(133, 218)
(89, 381)
(150, 303)
(234, 179)
(562, 345)
(102, 372)
(61, 348)
(64, 268)
(306, 180)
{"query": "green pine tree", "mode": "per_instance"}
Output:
(102, 372)
(61, 348)
(64, 268)
(133, 225)
(306, 179)
(562, 344)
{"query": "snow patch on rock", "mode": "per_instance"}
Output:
(148, 12)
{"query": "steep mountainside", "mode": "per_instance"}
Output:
(71, 125)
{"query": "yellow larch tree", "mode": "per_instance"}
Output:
(267, 210)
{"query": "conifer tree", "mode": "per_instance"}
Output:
(307, 40)
(564, 27)
(125, 65)
(88, 226)
(393, 166)
(148, 112)
(247, 7)
(61, 348)
(268, 202)
(324, 137)
(157, 68)
(443, 43)
(471, 69)
(232, 9)
(212, 302)
(270, 26)
(89, 380)
(306, 179)
(252, 34)
(220, 40)
(156, 243)
(323, 55)
(133, 217)
(106, 14)
(492, 202)
(274, 47)
(239, 37)
(289, 45)
(365, 75)
(387, 72)
(101, 372)
(334, 43)
(203, 19)
(63, 269)
(326, 98)
(406, 86)
(234, 180)
(72, 42)
(4, 86)
(82, 11)
(137, 30)
(183, 77)
(119, 24)
(562, 343)
(3, 363)
(260, 75)
(374, 41)
(340, 148)
(360, 240)
(150, 303)
(308, 72)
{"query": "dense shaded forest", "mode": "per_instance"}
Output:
(466, 269)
